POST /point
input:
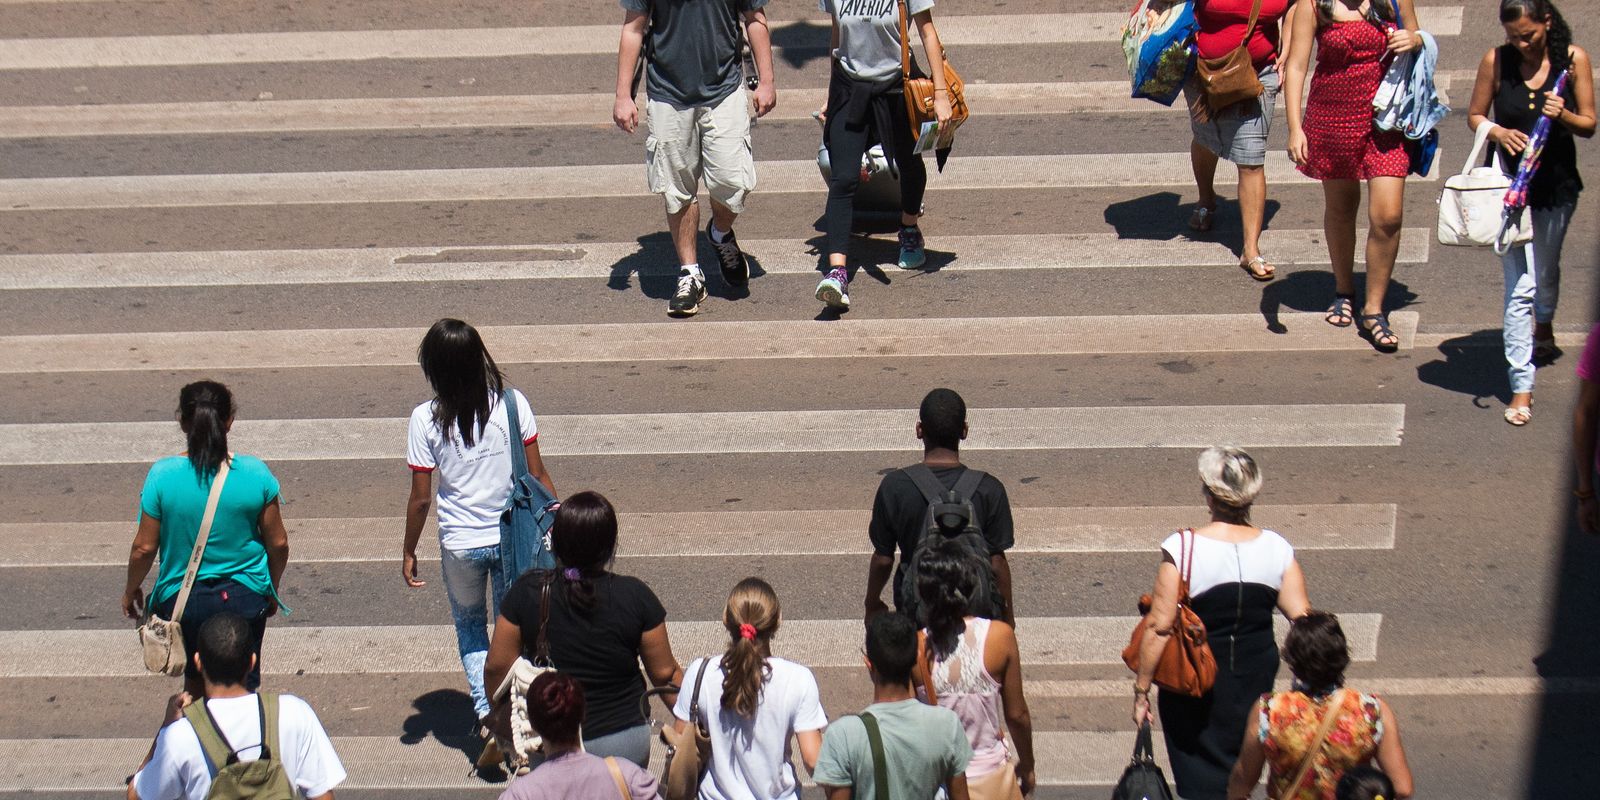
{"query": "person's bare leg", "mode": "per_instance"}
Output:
(721, 217)
(1385, 213)
(685, 229)
(1253, 215)
(1341, 200)
(1204, 164)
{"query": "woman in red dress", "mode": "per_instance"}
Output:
(1335, 142)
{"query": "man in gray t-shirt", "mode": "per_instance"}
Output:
(924, 746)
(699, 121)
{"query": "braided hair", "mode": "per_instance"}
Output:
(1558, 36)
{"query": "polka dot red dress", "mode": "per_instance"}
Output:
(1341, 142)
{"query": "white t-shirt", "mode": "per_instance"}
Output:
(750, 757)
(178, 768)
(474, 482)
(1261, 560)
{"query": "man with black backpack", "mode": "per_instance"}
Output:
(233, 743)
(698, 113)
(940, 497)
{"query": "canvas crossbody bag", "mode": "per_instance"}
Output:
(161, 640)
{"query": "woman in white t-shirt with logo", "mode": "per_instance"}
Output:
(462, 435)
(752, 703)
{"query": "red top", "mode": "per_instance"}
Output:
(1222, 28)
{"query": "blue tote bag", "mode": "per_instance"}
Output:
(525, 523)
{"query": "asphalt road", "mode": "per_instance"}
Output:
(1482, 591)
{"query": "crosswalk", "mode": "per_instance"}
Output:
(1067, 391)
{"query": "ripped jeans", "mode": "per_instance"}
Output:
(467, 574)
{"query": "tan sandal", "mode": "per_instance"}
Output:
(1518, 416)
(1267, 273)
(1202, 219)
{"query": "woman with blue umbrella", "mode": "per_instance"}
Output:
(1537, 89)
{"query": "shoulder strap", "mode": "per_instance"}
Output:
(694, 699)
(1329, 717)
(616, 777)
(927, 483)
(967, 484)
(541, 643)
(1250, 27)
(880, 761)
(905, 46)
(198, 554)
(269, 725)
(216, 748)
(1186, 563)
(519, 455)
(927, 668)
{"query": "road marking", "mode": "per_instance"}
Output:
(1186, 427)
(955, 31)
(1399, 687)
(1089, 170)
(398, 764)
(485, 111)
(673, 342)
(360, 649)
(614, 260)
(744, 534)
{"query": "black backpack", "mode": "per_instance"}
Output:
(950, 515)
(1142, 780)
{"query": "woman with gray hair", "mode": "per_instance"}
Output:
(1237, 574)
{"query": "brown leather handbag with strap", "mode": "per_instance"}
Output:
(1232, 78)
(1187, 666)
(919, 89)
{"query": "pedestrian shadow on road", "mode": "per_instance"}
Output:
(1471, 365)
(655, 264)
(1161, 216)
(447, 716)
(799, 43)
(1312, 290)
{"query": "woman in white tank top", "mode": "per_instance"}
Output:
(972, 666)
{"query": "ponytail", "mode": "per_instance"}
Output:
(751, 619)
(1558, 35)
(204, 411)
(584, 538)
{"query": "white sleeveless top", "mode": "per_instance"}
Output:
(965, 686)
(1260, 560)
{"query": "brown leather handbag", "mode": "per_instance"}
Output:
(1187, 666)
(919, 90)
(1232, 78)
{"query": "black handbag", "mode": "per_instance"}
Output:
(1142, 780)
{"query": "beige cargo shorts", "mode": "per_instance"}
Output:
(687, 145)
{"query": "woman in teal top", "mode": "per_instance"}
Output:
(248, 546)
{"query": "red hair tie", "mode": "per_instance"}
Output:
(747, 631)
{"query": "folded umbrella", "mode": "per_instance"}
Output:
(1517, 196)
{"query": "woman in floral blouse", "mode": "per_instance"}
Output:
(1288, 723)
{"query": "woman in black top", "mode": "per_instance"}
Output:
(602, 625)
(1515, 84)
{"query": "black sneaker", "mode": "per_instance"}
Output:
(735, 269)
(685, 301)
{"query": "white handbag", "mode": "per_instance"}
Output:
(1472, 205)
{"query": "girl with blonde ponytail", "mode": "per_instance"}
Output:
(752, 703)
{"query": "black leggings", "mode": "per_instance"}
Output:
(846, 145)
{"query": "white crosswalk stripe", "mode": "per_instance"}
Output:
(695, 534)
(604, 260)
(312, 46)
(556, 183)
(1188, 427)
(293, 650)
(666, 341)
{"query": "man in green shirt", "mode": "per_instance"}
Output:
(924, 747)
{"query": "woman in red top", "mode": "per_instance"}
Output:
(1238, 133)
(1335, 142)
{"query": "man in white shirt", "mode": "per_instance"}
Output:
(177, 768)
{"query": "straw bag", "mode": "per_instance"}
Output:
(160, 640)
(513, 738)
(1187, 666)
(1472, 204)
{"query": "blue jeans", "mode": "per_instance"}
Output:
(1532, 288)
(467, 574)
